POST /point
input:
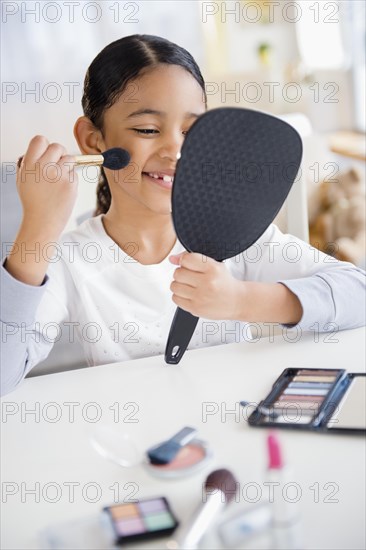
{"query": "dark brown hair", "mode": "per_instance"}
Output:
(111, 71)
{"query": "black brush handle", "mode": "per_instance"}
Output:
(180, 335)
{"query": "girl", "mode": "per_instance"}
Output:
(115, 281)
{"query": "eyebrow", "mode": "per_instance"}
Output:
(141, 112)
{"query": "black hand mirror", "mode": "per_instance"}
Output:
(236, 169)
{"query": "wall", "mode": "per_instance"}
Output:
(44, 65)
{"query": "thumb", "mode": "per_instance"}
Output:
(176, 258)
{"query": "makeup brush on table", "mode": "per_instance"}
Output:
(165, 452)
(219, 489)
(113, 159)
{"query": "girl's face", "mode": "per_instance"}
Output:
(150, 120)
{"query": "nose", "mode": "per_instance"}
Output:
(170, 145)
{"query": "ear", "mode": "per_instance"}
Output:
(88, 137)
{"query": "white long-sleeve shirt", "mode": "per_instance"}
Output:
(120, 309)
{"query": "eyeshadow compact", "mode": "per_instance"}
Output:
(141, 520)
(322, 400)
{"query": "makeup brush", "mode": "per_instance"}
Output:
(165, 452)
(219, 489)
(114, 159)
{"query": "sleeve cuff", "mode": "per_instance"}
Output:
(19, 301)
(307, 292)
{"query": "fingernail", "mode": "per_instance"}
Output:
(175, 259)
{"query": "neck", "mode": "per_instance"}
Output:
(129, 221)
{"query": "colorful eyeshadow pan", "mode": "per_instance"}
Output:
(286, 419)
(142, 521)
(159, 521)
(310, 384)
(293, 412)
(308, 378)
(152, 506)
(123, 511)
(300, 395)
(130, 526)
(299, 398)
(305, 391)
(316, 372)
(305, 406)
(315, 399)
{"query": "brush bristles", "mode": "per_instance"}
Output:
(116, 158)
(224, 481)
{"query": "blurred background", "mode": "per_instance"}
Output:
(301, 60)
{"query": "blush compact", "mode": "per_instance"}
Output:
(190, 459)
(181, 455)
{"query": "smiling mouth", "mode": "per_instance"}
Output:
(163, 180)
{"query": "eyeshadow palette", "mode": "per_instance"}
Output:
(323, 400)
(142, 520)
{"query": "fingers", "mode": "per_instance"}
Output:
(183, 291)
(53, 153)
(67, 160)
(39, 150)
(67, 164)
(36, 148)
(46, 162)
(45, 155)
(204, 287)
(187, 277)
(190, 276)
(186, 280)
(193, 261)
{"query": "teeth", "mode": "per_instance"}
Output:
(165, 177)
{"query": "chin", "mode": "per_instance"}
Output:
(159, 206)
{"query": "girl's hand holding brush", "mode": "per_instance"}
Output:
(47, 182)
(47, 186)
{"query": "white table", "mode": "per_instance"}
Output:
(167, 398)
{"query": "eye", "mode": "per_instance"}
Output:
(150, 131)
(145, 131)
